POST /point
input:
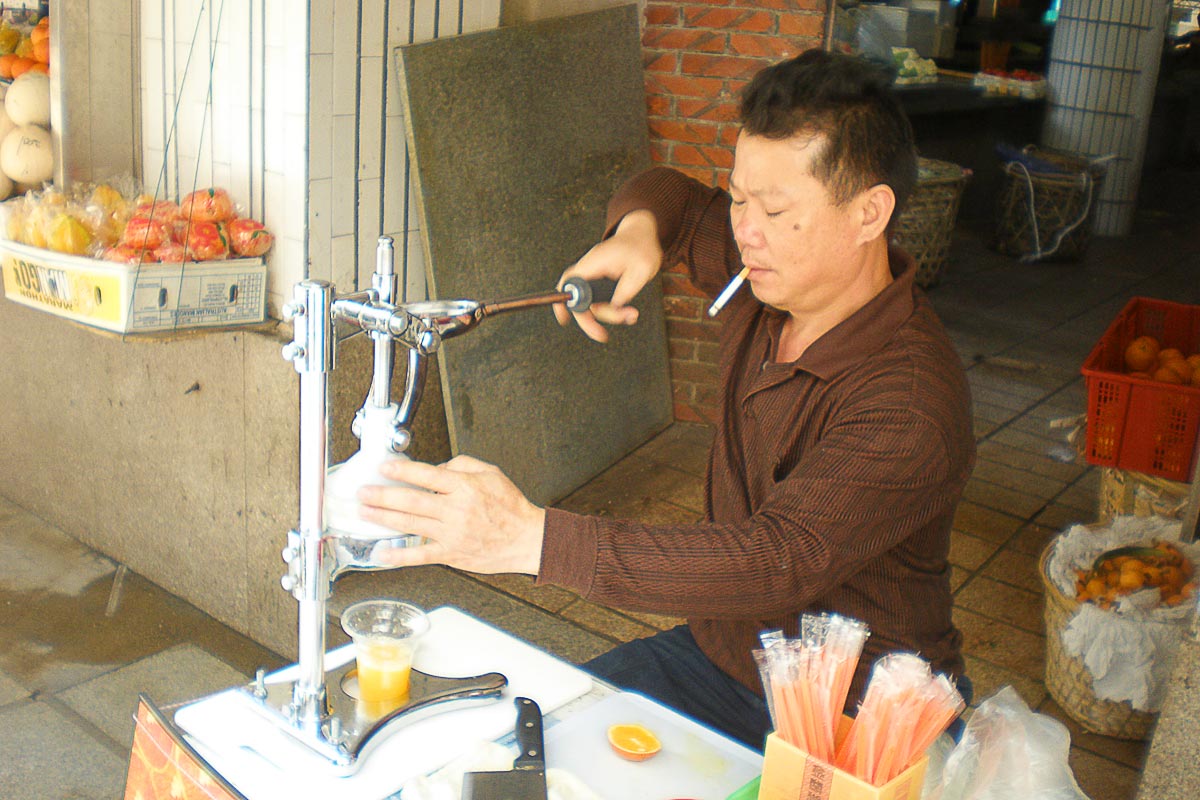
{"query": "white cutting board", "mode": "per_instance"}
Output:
(695, 761)
(264, 762)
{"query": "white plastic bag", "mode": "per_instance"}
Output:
(1008, 752)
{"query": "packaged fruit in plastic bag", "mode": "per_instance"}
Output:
(206, 241)
(171, 253)
(10, 37)
(160, 210)
(15, 212)
(249, 238)
(122, 254)
(207, 205)
(144, 233)
(67, 234)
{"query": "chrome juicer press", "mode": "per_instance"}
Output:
(317, 708)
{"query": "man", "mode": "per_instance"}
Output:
(844, 438)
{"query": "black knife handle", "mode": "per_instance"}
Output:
(529, 735)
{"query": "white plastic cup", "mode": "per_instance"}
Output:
(386, 634)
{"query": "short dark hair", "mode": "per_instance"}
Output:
(847, 101)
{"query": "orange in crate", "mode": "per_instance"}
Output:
(1135, 423)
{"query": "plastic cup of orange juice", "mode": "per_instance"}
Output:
(386, 633)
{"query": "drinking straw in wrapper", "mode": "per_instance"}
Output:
(905, 709)
(806, 680)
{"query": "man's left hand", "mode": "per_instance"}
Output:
(473, 517)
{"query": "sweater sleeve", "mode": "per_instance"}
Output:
(693, 223)
(868, 486)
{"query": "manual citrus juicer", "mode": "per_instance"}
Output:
(317, 708)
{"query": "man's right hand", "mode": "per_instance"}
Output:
(632, 256)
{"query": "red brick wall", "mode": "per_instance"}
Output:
(698, 55)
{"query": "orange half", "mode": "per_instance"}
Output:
(633, 742)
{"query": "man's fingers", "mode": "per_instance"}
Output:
(468, 464)
(615, 315)
(591, 328)
(417, 502)
(400, 521)
(420, 474)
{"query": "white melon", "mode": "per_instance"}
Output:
(28, 100)
(27, 155)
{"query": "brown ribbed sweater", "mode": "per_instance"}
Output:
(832, 481)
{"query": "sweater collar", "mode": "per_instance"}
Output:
(864, 332)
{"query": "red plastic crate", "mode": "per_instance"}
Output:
(1139, 424)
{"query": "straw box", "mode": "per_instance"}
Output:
(789, 772)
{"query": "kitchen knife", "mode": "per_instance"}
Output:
(527, 779)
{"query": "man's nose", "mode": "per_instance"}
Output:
(745, 232)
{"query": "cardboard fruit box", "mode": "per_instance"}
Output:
(131, 298)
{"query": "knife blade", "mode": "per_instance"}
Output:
(527, 779)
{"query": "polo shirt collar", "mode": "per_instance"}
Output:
(864, 332)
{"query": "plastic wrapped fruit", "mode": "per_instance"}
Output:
(249, 238)
(171, 253)
(160, 210)
(122, 254)
(68, 235)
(107, 197)
(10, 37)
(207, 205)
(206, 241)
(15, 210)
(145, 233)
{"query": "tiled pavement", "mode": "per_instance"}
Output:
(72, 660)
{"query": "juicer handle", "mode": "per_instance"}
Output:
(587, 292)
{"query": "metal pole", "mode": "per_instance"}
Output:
(384, 282)
(312, 353)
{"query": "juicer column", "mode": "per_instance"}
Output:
(383, 281)
(312, 354)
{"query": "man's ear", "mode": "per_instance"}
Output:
(876, 205)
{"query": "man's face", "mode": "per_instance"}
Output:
(800, 247)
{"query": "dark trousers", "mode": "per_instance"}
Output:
(670, 668)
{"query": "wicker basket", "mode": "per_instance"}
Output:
(1043, 211)
(1069, 681)
(926, 227)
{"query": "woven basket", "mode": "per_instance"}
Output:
(926, 227)
(1069, 681)
(1045, 215)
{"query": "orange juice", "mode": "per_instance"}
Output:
(383, 669)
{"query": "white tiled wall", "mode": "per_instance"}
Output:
(224, 103)
(360, 185)
(299, 116)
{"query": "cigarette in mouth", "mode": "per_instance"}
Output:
(728, 291)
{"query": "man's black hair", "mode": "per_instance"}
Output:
(846, 101)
